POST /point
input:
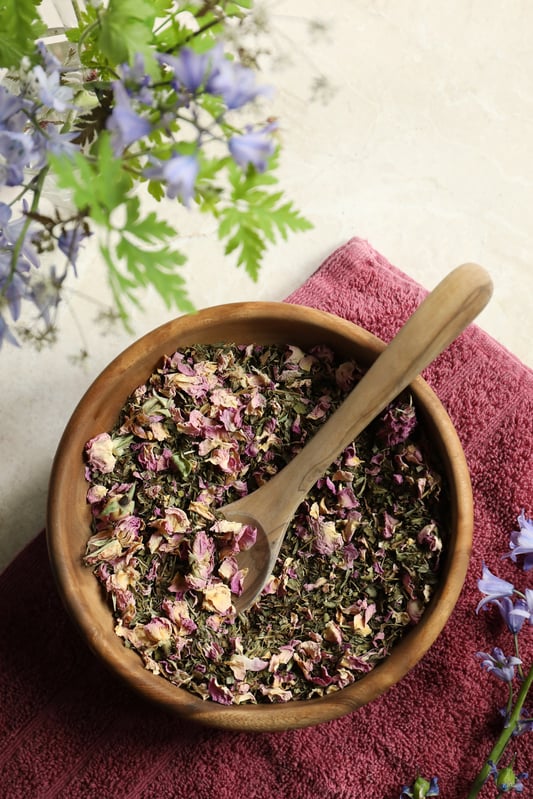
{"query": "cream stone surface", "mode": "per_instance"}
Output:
(405, 122)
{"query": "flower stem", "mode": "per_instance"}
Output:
(503, 740)
(77, 11)
(37, 189)
(517, 653)
(87, 32)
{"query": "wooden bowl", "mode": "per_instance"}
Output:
(68, 526)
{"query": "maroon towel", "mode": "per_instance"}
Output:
(69, 729)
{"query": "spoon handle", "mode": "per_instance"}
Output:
(440, 319)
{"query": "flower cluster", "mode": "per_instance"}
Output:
(141, 108)
(521, 543)
(107, 120)
(29, 132)
(515, 608)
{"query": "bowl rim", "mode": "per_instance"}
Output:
(127, 664)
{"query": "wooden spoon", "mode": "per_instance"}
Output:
(440, 318)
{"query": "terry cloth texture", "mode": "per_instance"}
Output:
(69, 729)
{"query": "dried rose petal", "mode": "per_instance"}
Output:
(217, 598)
(99, 452)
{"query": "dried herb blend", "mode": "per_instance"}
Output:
(360, 560)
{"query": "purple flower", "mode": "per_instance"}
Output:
(5, 215)
(179, 173)
(125, 124)
(529, 603)
(49, 139)
(235, 84)
(50, 91)
(192, 70)
(12, 116)
(523, 724)
(521, 542)
(14, 276)
(501, 666)
(136, 81)
(17, 148)
(10, 233)
(69, 242)
(12, 287)
(11, 174)
(513, 615)
(253, 147)
(494, 587)
(51, 63)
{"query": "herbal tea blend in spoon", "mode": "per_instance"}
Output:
(443, 315)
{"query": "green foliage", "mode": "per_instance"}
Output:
(98, 184)
(139, 257)
(210, 23)
(125, 29)
(103, 184)
(20, 26)
(136, 250)
(84, 36)
(254, 217)
(107, 38)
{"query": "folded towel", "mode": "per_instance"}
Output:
(70, 729)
